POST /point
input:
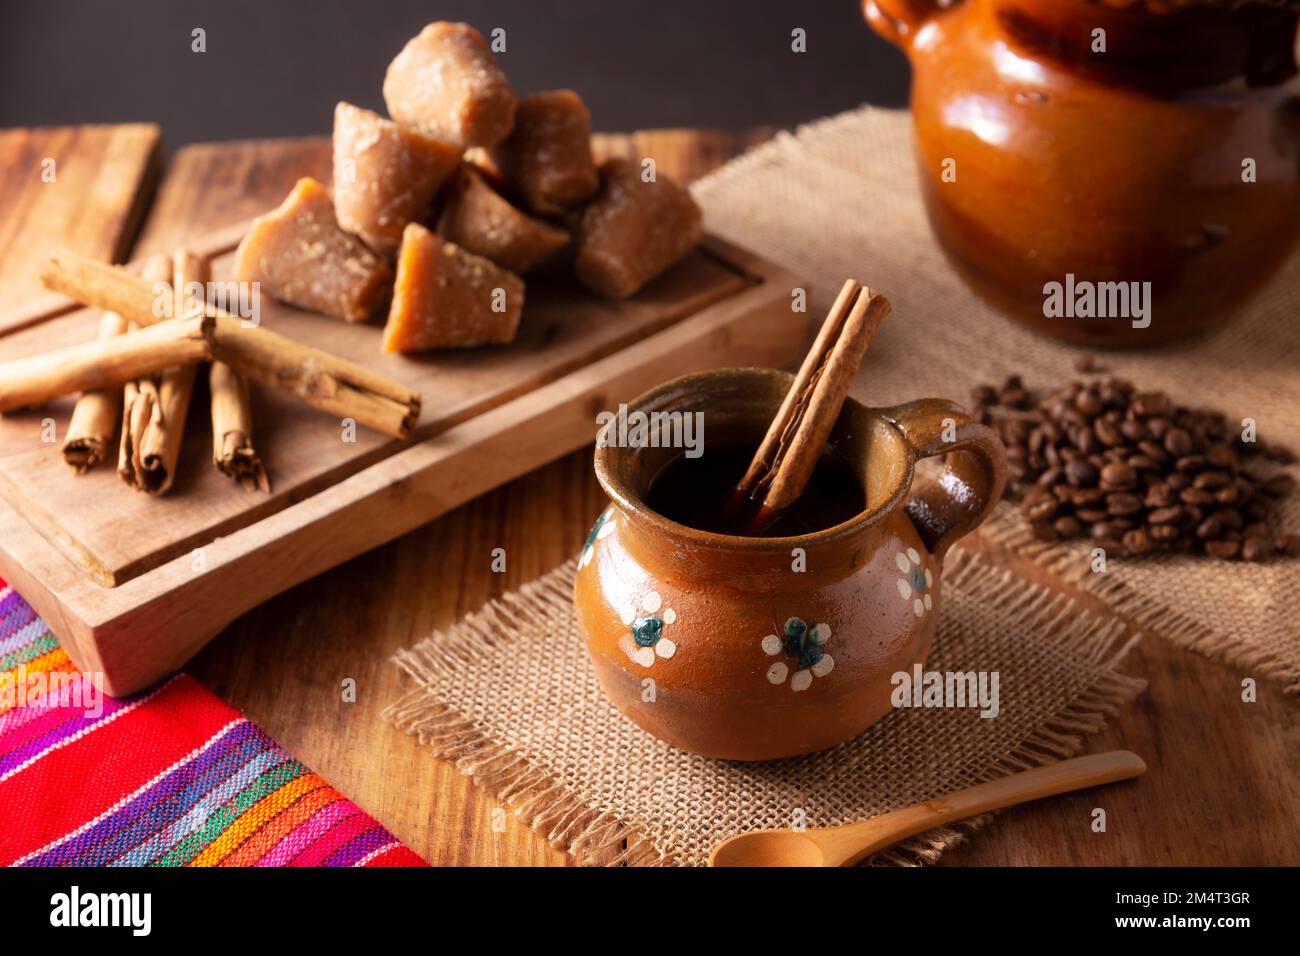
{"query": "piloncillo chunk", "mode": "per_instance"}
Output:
(300, 255)
(480, 220)
(445, 81)
(633, 230)
(385, 174)
(547, 156)
(445, 297)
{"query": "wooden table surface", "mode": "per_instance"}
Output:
(1222, 786)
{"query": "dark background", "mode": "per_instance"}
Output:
(276, 67)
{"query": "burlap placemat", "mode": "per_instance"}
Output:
(841, 198)
(508, 693)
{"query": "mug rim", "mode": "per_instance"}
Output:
(634, 504)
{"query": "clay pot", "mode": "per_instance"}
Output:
(1127, 165)
(717, 643)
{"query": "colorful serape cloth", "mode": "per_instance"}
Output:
(169, 777)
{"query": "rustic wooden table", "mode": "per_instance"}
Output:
(1222, 782)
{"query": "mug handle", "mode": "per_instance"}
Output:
(973, 480)
(898, 20)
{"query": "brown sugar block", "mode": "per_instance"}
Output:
(547, 156)
(446, 297)
(385, 174)
(300, 255)
(633, 230)
(480, 220)
(446, 82)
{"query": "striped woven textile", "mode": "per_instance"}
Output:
(170, 777)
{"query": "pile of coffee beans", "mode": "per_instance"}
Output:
(1135, 472)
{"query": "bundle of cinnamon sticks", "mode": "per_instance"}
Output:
(156, 329)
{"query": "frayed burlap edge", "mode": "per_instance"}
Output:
(1009, 532)
(593, 836)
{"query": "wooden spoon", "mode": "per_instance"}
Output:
(846, 845)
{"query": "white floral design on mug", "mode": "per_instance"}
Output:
(645, 640)
(916, 582)
(806, 646)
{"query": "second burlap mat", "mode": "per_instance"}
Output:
(509, 694)
(841, 198)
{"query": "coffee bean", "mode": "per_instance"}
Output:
(1159, 495)
(1108, 433)
(1158, 426)
(1050, 477)
(1195, 496)
(1191, 464)
(1092, 515)
(1226, 496)
(1080, 471)
(1153, 451)
(1068, 526)
(1288, 544)
(1166, 515)
(1086, 440)
(1088, 403)
(1178, 442)
(984, 394)
(1133, 431)
(1164, 533)
(1118, 475)
(1256, 548)
(1085, 497)
(1209, 529)
(1123, 503)
(1222, 549)
(1178, 480)
(1136, 542)
(1212, 480)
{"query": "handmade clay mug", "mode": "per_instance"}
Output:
(1096, 147)
(754, 648)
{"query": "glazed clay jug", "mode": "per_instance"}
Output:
(755, 648)
(1136, 142)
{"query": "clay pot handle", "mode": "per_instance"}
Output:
(972, 482)
(898, 20)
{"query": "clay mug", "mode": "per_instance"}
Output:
(1147, 152)
(752, 648)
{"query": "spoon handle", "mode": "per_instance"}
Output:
(848, 844)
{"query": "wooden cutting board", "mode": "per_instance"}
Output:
(133, 585)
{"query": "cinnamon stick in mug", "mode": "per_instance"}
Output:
(798, 434)
(321, 379)
(94, 417)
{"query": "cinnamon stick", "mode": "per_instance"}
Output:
(103, 363)
(232, 429)
(794, 442)
(94, 417)
(154, 428)
(320, 379)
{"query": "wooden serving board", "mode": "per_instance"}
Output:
(133, 584)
